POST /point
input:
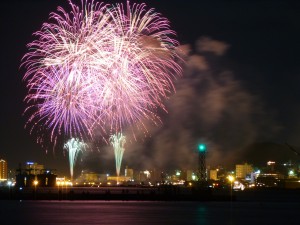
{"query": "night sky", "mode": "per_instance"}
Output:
(239, 92)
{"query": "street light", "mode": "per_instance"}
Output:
(9, 184)
(231, 179)
(35, 183)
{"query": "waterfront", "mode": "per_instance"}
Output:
(167, 193)
(256, 206)
(147, 212)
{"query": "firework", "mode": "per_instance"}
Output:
(143, 66)
(118, 141)
(99, 66)
(73, 146)
(62, 70)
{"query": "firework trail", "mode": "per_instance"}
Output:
(73, 146)
(103, 67)
(118, 141)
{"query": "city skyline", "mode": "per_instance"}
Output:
(280, 167)
(239, 90)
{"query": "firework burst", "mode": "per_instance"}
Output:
(99, 66)
(62, 70)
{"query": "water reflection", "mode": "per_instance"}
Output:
(145, 213)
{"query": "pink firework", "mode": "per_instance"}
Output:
(99, 66)
(144, 65)
(62, 70)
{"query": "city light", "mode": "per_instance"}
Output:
(230, 178)
(194, 177)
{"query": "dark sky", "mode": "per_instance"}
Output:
(239, 90)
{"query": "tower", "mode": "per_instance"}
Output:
(202, 162)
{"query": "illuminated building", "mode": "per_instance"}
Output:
(63, 182)
(269, 179)
(88, 177)
(46, 179)
(91, 177)
(34, 168)
(3, 170)
(153, 176)
(35, 175)
(242, 171)
(144, 176)
(129, 173)
(117, 179)
(213, 174)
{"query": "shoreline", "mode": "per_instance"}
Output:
(170, 193)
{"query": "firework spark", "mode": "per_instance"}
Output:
(73, 146)
(118, 141)
(99, 66)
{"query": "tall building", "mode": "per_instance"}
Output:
(3, 169)
(242, 170)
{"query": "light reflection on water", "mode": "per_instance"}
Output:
(146, 213)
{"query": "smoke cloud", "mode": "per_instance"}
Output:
(210, 106)
(206, 44)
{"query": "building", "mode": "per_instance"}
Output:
(190, 175)
(89, 177)
(46, 179)
(3, 170)
(34, 174)
(269, 180)
(34, 168)
(213, 174)
(25, 180)
(116, 180)
(144, 176)
(243, 170)
(129, 173)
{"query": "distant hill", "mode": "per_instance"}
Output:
(259, 154)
